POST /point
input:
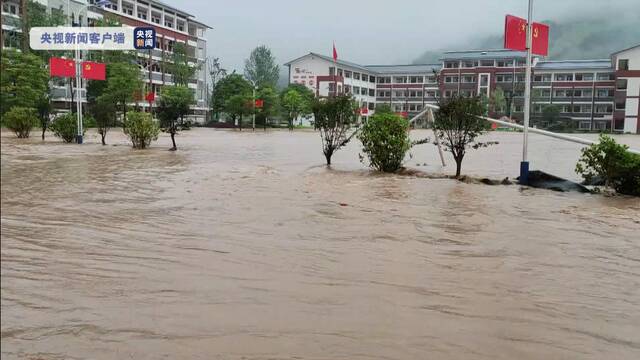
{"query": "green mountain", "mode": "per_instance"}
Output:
(592, 36)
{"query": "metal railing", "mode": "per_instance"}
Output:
(429, 108)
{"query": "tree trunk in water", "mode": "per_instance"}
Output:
(124, 112)
(327, 155)
(240, 123)
(173, 140)
(103, 135)
(458, 167)
(44, 128)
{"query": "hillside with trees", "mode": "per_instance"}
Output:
(591, 36)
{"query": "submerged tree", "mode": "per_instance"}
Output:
(457, 125)
(123, 81)
(172, 107)
(385, 141)
(296, 101)
(104, 113)
(335, 117)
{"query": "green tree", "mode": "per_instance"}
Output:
(334, 117)
(43, 108)
(269, 108)
(497, 102)
(20, 120)
(141, 129)
(457, 125)
(238, 106)
(385, 141)
(38, 15)
(296, 101)
(123, 81)
(231, 85)
(104, 113)
(261, 67)
(216, 73)
(66, 127)
(172, 107)
(179, 65)
(24, 80)
(611, 163)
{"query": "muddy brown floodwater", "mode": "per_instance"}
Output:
(243, 246)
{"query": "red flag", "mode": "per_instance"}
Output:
(93, 70)
(150, 97)
(335, 53)
(540, 39)
(62, 67)
(515, 33)
(259, 103)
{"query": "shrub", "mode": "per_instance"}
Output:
(141, 129)
(612, 163)
(20, 120)
(66, 127)
(385, 140)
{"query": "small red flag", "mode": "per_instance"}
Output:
(62, 67)
(93, 70)
(259, 103)
(364, 111)
(540, 39)
(335, 53)
(515, 33)
(150, 97)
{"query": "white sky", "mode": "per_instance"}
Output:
(365, 31)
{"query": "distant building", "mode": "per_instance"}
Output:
(172, 26)
(593, 94)
(627, 95)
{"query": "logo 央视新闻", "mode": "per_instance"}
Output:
(144, 38)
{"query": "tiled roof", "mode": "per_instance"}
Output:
(483, 54)
(574, 64)
(404, 69)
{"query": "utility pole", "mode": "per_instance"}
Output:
(524, 165)
(25, 26)
(253, 121)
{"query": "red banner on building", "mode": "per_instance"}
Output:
(515, 33)
(540, 39)
(62, 67)
(93, 70)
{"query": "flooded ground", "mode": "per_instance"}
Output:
(243, 246)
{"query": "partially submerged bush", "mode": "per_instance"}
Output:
(612, 163)
(141, 129)
(385, 141)
(66, 127)
(20, 120)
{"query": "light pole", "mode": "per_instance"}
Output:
(524, 165)
(253, 125)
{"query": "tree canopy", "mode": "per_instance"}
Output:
(172, 107)
(261, 68)
(24, 80)
(227, 87)
(296, 100)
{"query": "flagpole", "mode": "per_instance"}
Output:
(524, 165)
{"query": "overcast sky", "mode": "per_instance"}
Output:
(365, 31)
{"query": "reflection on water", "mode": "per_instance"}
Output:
(239, 247)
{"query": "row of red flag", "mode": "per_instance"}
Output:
(67, 68)
(515, 35)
